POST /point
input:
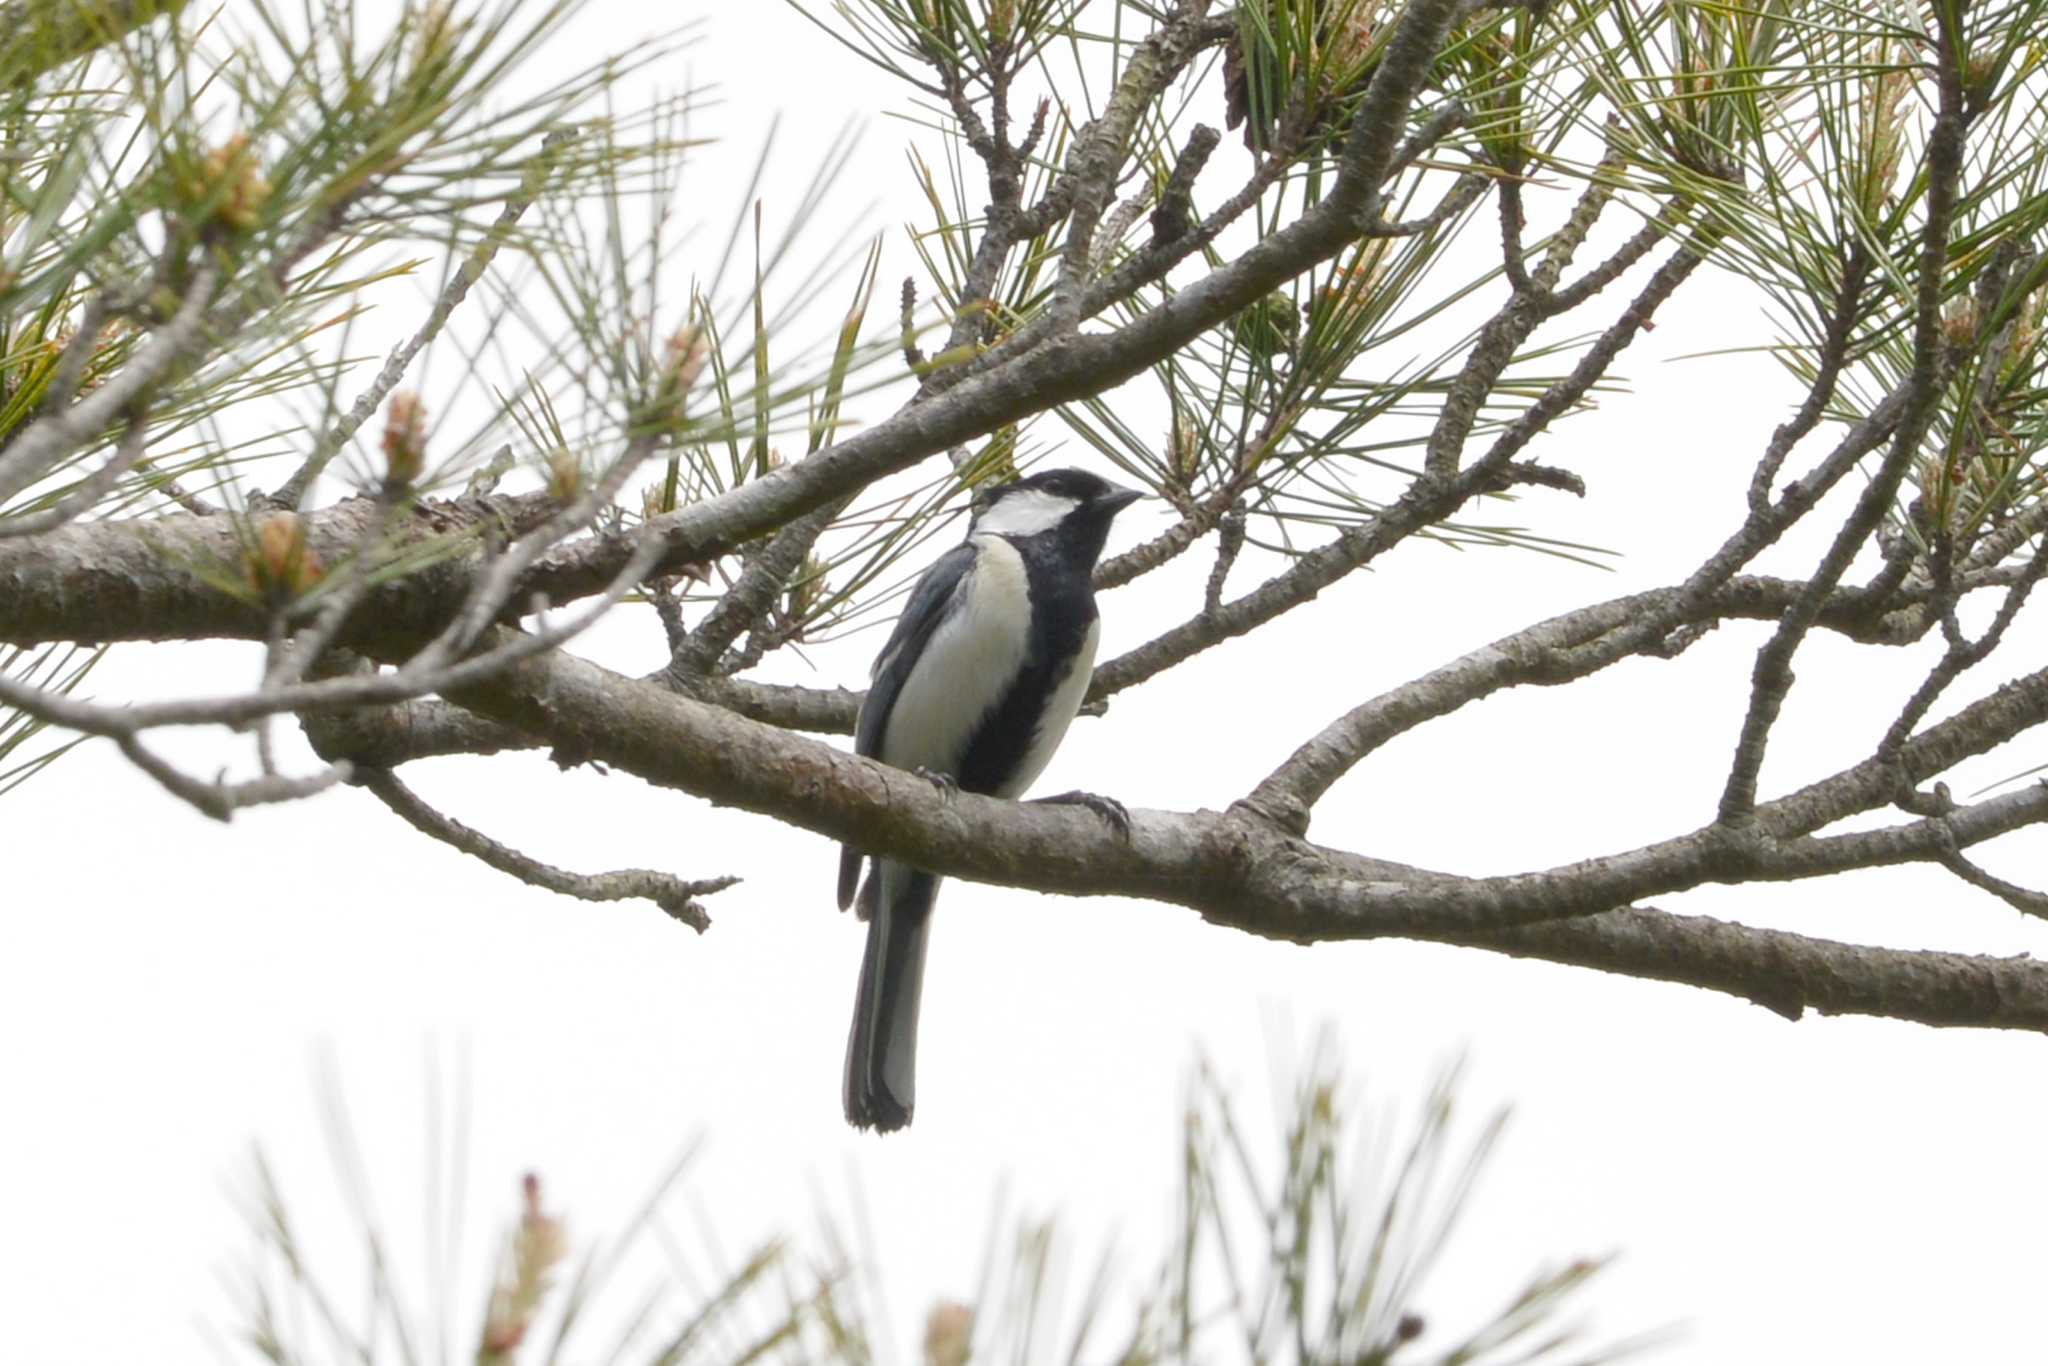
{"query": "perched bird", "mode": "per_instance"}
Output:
(975, 688)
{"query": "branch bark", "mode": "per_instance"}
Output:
(1240, 870)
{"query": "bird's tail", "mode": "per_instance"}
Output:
(881, 1052)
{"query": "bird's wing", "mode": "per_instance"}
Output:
(921, 616)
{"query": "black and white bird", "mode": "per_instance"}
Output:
(975, 688)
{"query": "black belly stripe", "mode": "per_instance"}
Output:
(1063, 608)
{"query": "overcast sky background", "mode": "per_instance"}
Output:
(1836, 1190)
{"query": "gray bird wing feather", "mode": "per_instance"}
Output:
(937, 588)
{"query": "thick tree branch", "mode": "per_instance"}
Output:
(1237, 869)
(148, 578)
(1791, 973)
(438, 666)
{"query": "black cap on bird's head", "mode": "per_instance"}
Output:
(1067, 499)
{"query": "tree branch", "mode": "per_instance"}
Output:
(674, 895)
(1772, 678)
(293, 490)
(1427, 501)
(1790, 973)
(1239, 870)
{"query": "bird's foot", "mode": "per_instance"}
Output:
(946, 784)
(1109, 808)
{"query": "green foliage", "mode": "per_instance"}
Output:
(274, 172)
(57, 668)
(1785, 138)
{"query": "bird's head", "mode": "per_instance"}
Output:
(1071, 502)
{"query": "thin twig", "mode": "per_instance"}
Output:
(92, 488)
(674, 895)
(1460, 197)
(1833, 351)
(2022, 899)
(1512, 221)
(221, 800)
(1565, 298)
(767, 573)
(1229, 541)
(1961, 654)
(1772, 677)
(402, 356)
(1176, 210)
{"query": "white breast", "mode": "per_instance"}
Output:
(967, 665)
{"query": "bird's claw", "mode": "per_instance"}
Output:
(1109, 808)
(944, 782)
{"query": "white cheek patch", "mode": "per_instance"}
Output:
(1025, 512)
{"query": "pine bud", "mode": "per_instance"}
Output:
(687, 351)
(1883, 137)
(804, 596)
(405, 440)
(1184, 449)
(533, 1251)
(229, 180)
(654, 500)
(1959, 321)
(565, 475)
(948, 1334)
(1980, 70)
(1349, 41)
(280, 565)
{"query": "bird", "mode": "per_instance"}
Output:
(975, 688)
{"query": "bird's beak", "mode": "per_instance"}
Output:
(1113, 503)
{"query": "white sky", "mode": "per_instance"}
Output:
(1836, 1190)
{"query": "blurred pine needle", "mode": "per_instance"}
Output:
(1317, 1248)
